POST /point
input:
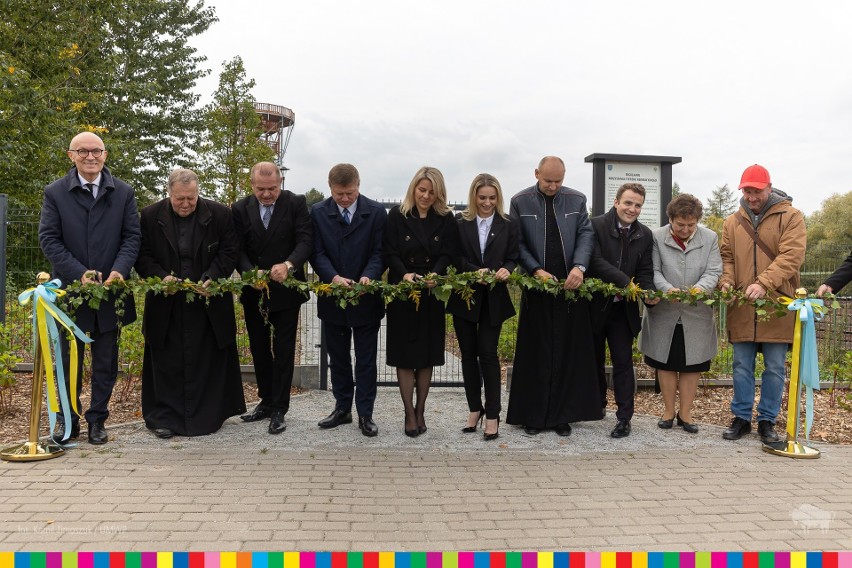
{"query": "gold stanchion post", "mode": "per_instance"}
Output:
(34, 449)
(792, 448)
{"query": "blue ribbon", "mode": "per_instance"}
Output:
(47, 293)
(810, 311)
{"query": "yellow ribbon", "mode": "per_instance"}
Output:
(45, 294)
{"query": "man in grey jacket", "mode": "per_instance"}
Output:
(554, 381)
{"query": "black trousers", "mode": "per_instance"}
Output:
(273, 354)
(104, 347)
(480, 365)
(616, 333)
(338, 340)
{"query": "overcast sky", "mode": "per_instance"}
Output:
(472, 86)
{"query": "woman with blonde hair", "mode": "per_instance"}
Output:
(488, 242)
(419, 241)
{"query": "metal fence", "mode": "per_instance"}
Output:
(24, 259)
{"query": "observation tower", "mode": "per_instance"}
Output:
(277, 123)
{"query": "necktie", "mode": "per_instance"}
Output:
(91, 189)
(346, 218)
(267, 215)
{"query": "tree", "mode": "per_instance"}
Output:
(675, 189)
(721, 203)
(829, 238)
(132, 82)
(314, 195)
(232, 143)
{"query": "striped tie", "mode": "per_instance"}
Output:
(346, 218)
(267, 214)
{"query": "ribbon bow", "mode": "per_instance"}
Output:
(805, 358)
(44, 297)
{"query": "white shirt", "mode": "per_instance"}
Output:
(95, 184)
(483, 226)
(351, 208)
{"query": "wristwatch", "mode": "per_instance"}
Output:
(290, 265)
(581, 267)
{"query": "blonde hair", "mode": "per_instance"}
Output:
(480, 181)
(437, 178)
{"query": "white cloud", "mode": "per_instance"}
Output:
(492, 86)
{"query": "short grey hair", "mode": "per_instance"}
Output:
(182, 175)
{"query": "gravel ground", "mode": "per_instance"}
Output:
(446, 412)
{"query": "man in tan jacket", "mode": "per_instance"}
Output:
(763, 248)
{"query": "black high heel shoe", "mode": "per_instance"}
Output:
(469, 429)
(494, 435)
(688, 426)
(665, 424)
(411, 433)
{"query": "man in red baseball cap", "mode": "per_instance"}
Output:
(763, 248)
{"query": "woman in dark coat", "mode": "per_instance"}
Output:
(488, 242)
(419, 240)
(190, 373)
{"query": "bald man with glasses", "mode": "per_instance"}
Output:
(89, 231)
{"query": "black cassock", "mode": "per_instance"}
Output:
(191, 378)
(554, 380)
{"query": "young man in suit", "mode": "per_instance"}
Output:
(622, 253)
(89, 230)
(275, 233)
(348, 229)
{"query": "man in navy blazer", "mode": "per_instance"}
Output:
(275, 233)
(348, 230)
(89, 231)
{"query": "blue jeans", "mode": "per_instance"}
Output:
(772, 385)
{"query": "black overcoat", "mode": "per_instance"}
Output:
(79, 233)
(608, 265)
(415, 337)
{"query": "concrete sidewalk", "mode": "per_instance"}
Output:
(308, 489)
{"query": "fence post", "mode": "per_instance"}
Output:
(4, 209)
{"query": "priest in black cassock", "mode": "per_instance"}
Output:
(190, 374)
(554, 381)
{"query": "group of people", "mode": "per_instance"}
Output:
(191, 380)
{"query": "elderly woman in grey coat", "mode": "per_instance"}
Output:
(677, 339)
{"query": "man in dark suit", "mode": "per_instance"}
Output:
(90, 228)
(275, 234)
(838, 279)
(622, 253)
(348, 230)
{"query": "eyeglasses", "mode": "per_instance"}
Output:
(83, 152)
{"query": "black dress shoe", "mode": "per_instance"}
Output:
(98, 434)
(277, 423)
(59, 431)
(621, 430)
(766, 431)
(163, 433)
(737, 429)
(665, 424)
(563, 429)
(532, 431)
(367, 426)
(335, 419)
(688, 426)
(259, 413)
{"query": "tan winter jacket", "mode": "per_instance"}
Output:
(782, 228)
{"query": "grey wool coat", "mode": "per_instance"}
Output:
(699, 266)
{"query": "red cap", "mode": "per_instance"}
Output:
(755, 176)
